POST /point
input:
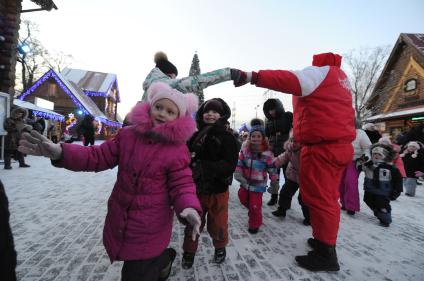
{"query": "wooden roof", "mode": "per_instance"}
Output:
(416, 42)
(45, 4)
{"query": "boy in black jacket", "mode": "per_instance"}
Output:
(214, 153)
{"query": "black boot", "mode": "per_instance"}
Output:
(220, 255)
(280, 212)
(164, 274)
(312, 242)
(273, 201)
(253, 230)
(322, 258)
(188, 260)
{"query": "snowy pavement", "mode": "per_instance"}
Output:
(57, 219)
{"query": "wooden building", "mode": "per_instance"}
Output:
(77, 93)
(397, 101)
(10, 19)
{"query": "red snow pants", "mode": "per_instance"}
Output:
(321, 168)
(253, 202)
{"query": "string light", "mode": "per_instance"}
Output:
(48, 115)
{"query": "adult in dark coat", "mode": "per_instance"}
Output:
(277, 129)
(15, 126)
(7, 248)
(372, 132)
(86, 128)
(214, 153)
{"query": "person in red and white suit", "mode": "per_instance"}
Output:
(324, 125)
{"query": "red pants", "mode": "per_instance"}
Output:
(215, 212)
(321, 168)
(252, 201)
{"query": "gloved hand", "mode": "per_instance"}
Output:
(239, 77)
(419, 174)
(193, 218)
(38, 145)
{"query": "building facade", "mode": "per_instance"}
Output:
(397, 101)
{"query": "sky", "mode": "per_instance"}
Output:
(122, 37)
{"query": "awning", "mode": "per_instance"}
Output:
(39, 111)
(392, 115)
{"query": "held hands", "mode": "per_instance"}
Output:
(239, 77)
(193, 218)
(38, 145)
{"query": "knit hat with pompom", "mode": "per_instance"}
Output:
(162, 62)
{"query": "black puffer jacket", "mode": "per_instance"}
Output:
(277, 128)
(214, 153)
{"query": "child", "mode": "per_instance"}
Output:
(278, 125)
(398, 162)
(413, 158)
(255, 161)
(154, 178)
(382, 183)
(291, 184)
(349, 189)
(166, 72)
(214, 157)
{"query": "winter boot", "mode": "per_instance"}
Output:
(312, 242)
(188, 260)
(350, 213)
(220, 255)
(322, 258)
(273, 201)
(164, 274)
(24, 166)
(253, 230)
(280, 212)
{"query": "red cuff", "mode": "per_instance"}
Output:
(254, 78)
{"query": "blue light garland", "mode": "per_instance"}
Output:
(48, 115)
(52, 74)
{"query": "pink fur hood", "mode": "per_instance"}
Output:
(177, 131)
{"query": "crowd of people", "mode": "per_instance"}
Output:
(171, 163)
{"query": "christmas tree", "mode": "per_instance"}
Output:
(195, 70)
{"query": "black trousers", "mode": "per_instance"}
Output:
(8, 157)
(145, 270)
(286, 194)
(88, 139)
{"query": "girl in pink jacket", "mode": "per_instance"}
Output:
(153, 181)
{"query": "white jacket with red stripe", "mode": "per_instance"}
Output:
(322, 102)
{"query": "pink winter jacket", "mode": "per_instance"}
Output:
(153, 181)
(291, 155)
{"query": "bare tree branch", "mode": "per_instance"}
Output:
(363, 69)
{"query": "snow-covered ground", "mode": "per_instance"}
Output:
(57, 219)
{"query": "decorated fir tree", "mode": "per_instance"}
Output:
(195, 70)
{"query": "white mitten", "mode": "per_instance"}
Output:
(38, 145)
(193, 218)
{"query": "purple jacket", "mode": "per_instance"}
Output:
(153, 180)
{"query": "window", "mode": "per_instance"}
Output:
(410, 85)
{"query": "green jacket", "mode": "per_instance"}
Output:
(187, 84)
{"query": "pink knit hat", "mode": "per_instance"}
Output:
(187, 103)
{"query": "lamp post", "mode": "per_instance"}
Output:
(256, 110)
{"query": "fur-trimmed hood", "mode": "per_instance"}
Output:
(273, 104)
(18, 110)
(222, 121)
(177, 131)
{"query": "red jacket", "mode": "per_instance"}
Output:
(322, 102)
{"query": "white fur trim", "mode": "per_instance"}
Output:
(310, 78)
